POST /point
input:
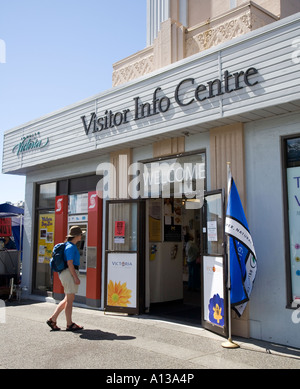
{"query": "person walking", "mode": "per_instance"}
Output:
(70, 281)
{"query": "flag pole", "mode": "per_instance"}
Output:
(229, 343)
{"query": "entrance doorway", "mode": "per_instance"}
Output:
(187, 269)
(149, 244)
(124, 257)
(174, 257)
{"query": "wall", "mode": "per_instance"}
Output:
(202, 10)
(289, 7)
(270, 320)
(28, 237)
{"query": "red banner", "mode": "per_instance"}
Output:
(5, 227)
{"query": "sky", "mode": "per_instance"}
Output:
(59, 52)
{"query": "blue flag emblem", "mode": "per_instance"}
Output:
(241, 250)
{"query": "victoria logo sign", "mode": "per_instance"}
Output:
(30, 143)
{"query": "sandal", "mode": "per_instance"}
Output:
(52, 325)
(74, 327)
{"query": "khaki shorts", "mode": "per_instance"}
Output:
(67, 282)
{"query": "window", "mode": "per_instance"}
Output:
(83, 184)
(122, 234)
(291, 172)
(47, 193)
(45, 219)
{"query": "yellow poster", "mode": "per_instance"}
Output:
(154, 230)
(45, 237)
(155, 220)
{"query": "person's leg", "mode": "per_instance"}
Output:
(194, 278)
(68, 311)
(190, 280)
(59, 309)
(69, 307)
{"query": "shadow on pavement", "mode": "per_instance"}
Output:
(101, 335)
(270, 348)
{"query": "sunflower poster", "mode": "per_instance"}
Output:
(214, 310)
(122, 280)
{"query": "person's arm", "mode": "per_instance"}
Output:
(73, 272)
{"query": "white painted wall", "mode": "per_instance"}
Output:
(269, 318)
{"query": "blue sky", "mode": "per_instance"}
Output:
(59, 52)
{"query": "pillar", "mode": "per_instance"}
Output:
(60, 233)
(94, 250)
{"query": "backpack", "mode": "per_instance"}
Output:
(57, 262)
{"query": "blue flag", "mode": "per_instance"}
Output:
(241, 250)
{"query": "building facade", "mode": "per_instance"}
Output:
(143, 164)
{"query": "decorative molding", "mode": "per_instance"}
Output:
(222, 33)
(227, 27)
(133, 70)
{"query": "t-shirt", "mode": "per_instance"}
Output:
(72, 253)
(191, 251)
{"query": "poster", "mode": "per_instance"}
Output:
(122, 280)
(212, 233)
(78, 204)
(5, 227)
(214, 310)
(45, 237)
(119, 232)
(293, 184)
(172, 220)
(155, 220)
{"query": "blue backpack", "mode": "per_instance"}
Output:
(57, 262)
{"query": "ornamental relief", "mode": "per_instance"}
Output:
(133, 70)
(222, 33)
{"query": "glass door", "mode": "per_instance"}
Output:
(125, 256)
(214, 271)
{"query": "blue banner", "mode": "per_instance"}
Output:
(243, 264)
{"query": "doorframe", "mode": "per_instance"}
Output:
(206, 324)
(140, 252)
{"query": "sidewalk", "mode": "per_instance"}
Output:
(121, 342)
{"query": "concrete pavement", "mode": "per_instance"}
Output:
(124, 342)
